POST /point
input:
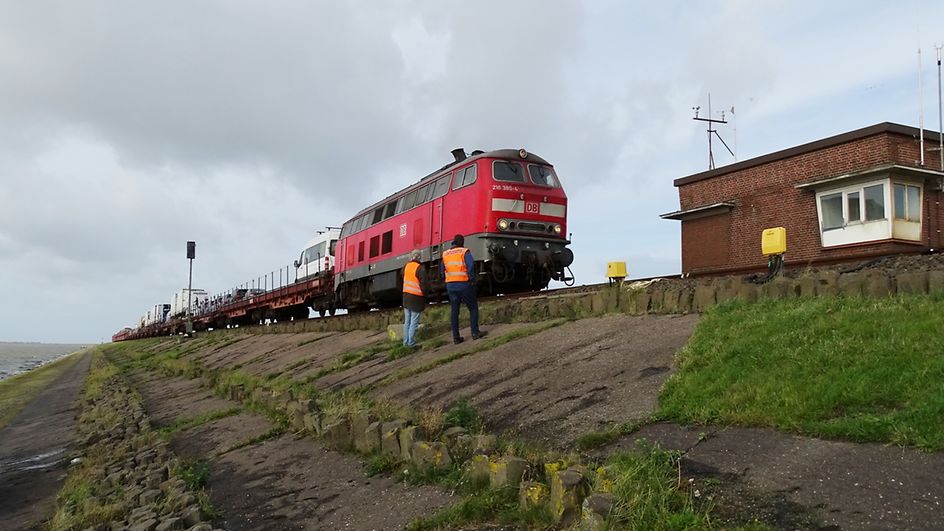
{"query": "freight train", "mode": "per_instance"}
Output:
(508, 204)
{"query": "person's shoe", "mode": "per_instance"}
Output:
(457, 340)
(479, 335)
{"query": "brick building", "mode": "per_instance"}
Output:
(849, 197)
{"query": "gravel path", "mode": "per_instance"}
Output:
(33, 450)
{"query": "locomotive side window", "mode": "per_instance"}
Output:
(421, 195)
(378, 215)
(542, 175)
(511, 172)
(441, 186)
(365, 222)
(375, 246)
(387, 243)
(390, 210)
(360, 252)
(406, 202)
(464, 177)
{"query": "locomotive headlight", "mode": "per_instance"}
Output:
(523, 153)
(557, 228)
(503, 224)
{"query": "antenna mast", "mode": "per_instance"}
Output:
(710, 121)
(920, 111)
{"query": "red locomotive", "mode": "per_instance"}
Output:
(508, 204)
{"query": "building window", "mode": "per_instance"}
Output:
(858, 213)
(907, 200)
(831, 206)
(841, 208)
(874, 202)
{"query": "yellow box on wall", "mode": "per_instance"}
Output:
(774, 241)
(616, 270)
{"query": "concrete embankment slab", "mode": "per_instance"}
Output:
(34, 447)
(373, 371)
(287, 482)
(556, 385)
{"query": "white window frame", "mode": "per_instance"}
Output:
(906, 201)
(862, 230)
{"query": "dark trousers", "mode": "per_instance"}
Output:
(467, 296)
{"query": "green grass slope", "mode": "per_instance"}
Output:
(848, 368)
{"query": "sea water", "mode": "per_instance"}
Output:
(21, 357)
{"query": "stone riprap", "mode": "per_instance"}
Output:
(132, 475)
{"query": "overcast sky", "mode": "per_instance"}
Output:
(128, 128)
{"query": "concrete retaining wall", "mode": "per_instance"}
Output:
(665, 296)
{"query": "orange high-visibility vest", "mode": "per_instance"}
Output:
(411, 282)
(454, 264)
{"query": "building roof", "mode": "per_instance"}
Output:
(858, 134)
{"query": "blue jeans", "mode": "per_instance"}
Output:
(411, 320)
(456, 299)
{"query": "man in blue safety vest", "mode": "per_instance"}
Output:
(457, 269)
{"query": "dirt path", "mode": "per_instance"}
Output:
(287, 482)
(33, 450)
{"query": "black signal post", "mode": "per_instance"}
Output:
(191, 254)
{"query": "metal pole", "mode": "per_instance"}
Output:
(190, 290)
(940, 115)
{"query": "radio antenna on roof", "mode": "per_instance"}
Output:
(710, 121)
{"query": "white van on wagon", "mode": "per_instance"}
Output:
(318, 256)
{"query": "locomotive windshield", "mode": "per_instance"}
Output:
(542, 175)
(508, 171)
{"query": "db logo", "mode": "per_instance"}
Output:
(403, 230)
(531, 208)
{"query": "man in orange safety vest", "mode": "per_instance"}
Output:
(414, 301)
(458, 269)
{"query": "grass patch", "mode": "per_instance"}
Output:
(195, 474)
(190, 422)
(463, 414)
(400, 350)
(598, 439)
(850, 368)
(648, 494)
(17, 391)
(272, 433)
(352, 358)
(494, 505)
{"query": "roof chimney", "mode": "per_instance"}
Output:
(459, 154)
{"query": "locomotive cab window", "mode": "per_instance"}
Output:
(506, 171)
(333, 247)
(464, 177)
(542, 175)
